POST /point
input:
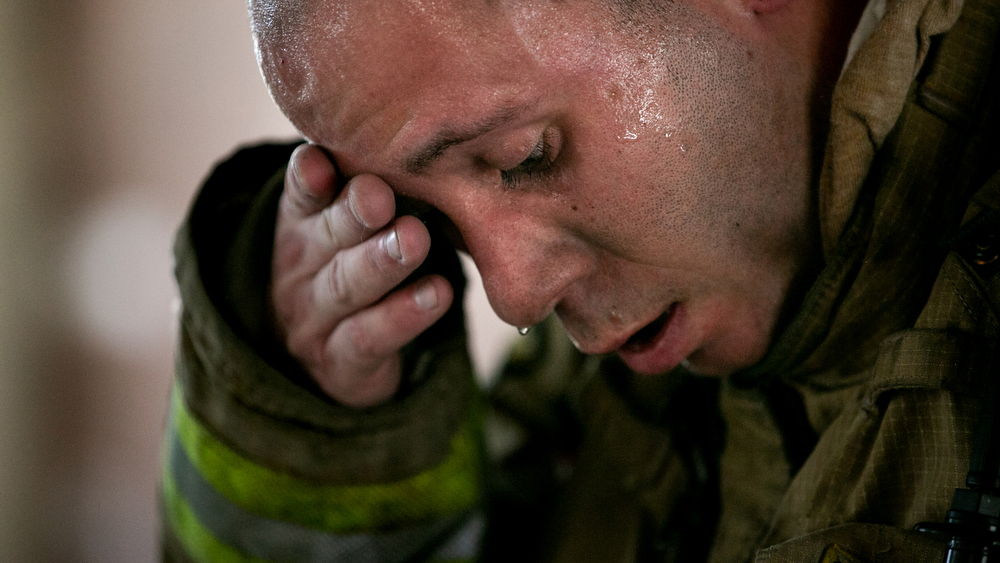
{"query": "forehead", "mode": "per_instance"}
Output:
(375, 68)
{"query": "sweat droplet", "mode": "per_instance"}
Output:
(523, 330)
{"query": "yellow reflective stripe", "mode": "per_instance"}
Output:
(198, 542)
(450, 488)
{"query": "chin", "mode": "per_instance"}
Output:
(721, 359)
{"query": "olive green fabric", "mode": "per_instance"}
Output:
(855, 426)
(856, 543)
(255, 464)
(892, 405)
(868, 99)
(891, 460)
(255, 399)
(446, 489)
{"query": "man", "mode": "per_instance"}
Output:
(766, 191)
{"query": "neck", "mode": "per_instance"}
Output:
(814, 36)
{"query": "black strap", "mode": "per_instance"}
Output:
(978, 243)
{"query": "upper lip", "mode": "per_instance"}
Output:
(622, 339)
(654, 328)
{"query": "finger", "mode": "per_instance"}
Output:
(363, 274)
(310, 182)
(304, 244)
(365, 205)
(366, 345)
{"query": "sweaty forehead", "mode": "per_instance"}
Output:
(386, 66)
(363, 71)
(358, 57)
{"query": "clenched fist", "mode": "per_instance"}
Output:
(339, 256)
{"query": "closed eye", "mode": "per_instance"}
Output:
(538, 165)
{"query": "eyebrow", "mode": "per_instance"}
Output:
(450, 136)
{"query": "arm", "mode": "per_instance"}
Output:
(261, 464)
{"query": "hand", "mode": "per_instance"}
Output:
(338, 257)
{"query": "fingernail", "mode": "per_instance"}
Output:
(426, 296)
(351, 204)
(296, 174)
(392, 245)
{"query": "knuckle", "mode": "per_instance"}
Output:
(338, 286)
(363, 343)
(299, 195)
(329, 220)
(303, 348)
(340, 226)
(353, 378)
(288, 252)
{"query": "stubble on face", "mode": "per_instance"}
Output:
(719, 126)
(702, 194)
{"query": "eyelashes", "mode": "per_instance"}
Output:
(539, 165)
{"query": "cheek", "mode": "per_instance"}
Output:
(637, 173)
(635, 198)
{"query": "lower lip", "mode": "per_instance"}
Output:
(664, 351)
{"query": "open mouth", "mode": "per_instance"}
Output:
(647, 335)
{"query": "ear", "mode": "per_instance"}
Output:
(765, 6)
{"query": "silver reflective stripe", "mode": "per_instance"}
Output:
(464, 543)
(280, 542)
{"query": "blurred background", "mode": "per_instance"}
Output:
(111, 112)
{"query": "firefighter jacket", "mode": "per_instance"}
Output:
(856, 425)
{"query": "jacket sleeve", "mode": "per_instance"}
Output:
(258, 464)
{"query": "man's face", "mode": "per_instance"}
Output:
(647, 181)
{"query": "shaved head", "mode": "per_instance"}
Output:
(282, 32)
(624, 164)
(275, 21)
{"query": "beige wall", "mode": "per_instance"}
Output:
(111, 111)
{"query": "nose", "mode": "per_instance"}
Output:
(527, 266)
